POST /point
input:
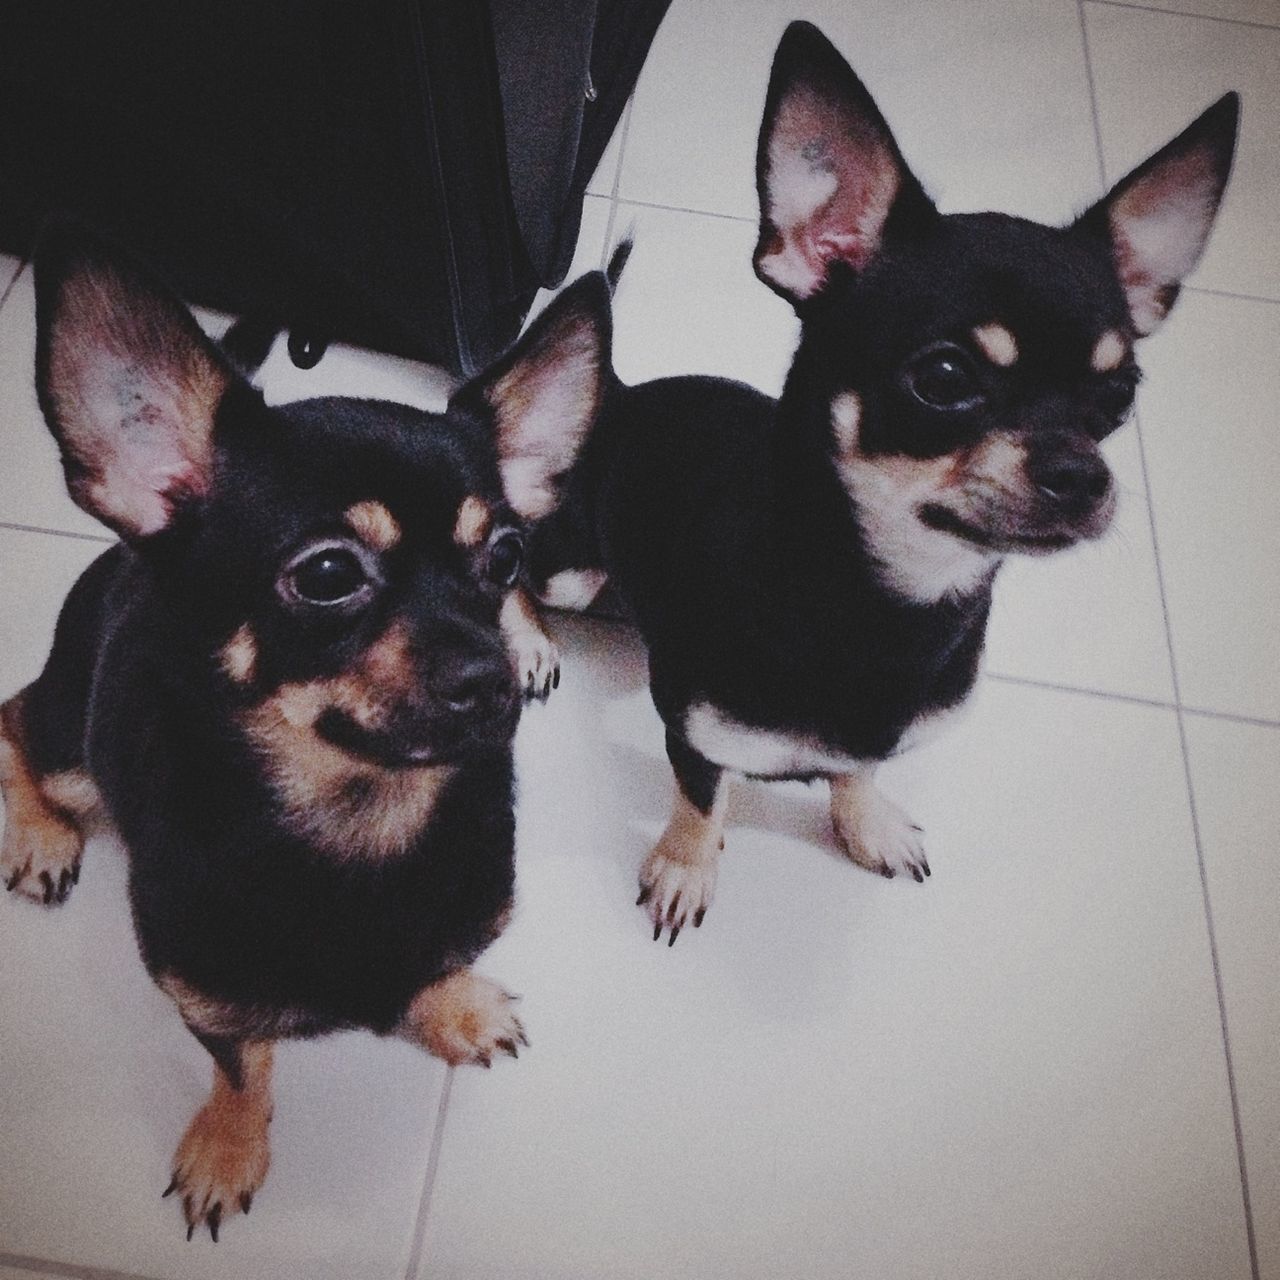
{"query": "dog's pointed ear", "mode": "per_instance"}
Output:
(1158, 218)
(828, 171)
(545, 394)
(128, 383)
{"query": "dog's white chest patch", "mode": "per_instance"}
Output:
(765, 753)
(772, 753)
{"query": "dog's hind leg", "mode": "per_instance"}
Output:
(873, 831)
(678, 878)
(225, 1153)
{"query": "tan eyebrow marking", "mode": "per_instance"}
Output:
(374, 524)
(239, 655)
(997, 344)
(472, 525)
(1109, 352)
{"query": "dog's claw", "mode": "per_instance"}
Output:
(646, 892)
(214, 1219)
(657, 931)
(697, 917)
(555, 678)
(170, 1189)
(246, 1202)
(675, 933)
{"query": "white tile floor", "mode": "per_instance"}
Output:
(1043, 1063)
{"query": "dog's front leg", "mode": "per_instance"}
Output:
(464, 1018)
(872, 830)
(533, 652)
(224, 1155)
(678, 878)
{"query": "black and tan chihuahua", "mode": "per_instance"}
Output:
(813, 576)
(289, 685)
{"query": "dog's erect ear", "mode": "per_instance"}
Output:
(1158, 219)
(828, 171)
(128, 383)
(545, 394)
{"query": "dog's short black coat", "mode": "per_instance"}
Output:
(290, 684)
(813, 576)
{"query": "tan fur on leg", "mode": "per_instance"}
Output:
(224, 1155)
(678, 878)
(464, 1018)
(873, 831)
(42, 845)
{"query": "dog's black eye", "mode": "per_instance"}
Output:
(943, 377)
(327, 575)
(1116, 392)
(506, 555)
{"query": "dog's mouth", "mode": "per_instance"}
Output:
(1010, 539)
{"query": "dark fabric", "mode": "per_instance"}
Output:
(343, 168)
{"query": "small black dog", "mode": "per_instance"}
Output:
(813, 576)
(289, 684)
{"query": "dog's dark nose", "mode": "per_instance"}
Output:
(468, 683)
(1070, 478)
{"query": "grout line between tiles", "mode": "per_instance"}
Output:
(676, 208)
(65, 1270)
(1182, 13)
(1093, 101)
(1234, 717)
(1192, 808)
(416, 1249)
(1179, 712)
(1226, 293)
(607, 248)
(57, 533)
(8, 289)
(1082, 690)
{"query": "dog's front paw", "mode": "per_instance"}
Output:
(220, 1163)
(537, 663)
(873, 832)
(674, 889)
(40, 857)
(465, 1018)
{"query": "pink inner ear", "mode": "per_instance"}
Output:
(830, 183)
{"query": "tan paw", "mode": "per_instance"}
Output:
(465, 1018)
(40, 857)
(220, 1163)
(675, 890)
(873, 832)
(537, 663)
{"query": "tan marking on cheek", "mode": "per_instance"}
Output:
(344, 805)
(373, 524)
(1109, 352)
(473, 523)
(999, 461)
(846, 417)
(239, 656)
(997, 344)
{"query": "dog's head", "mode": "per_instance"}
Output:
(337, 565)
(970, 364)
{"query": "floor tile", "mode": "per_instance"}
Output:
(1234, 769)
(1015, 1070)
(101, 1077)
(1265, 12)
(1154, 73)
(972, 90)
(9, 267)
(1208, 411)
(689, 302)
